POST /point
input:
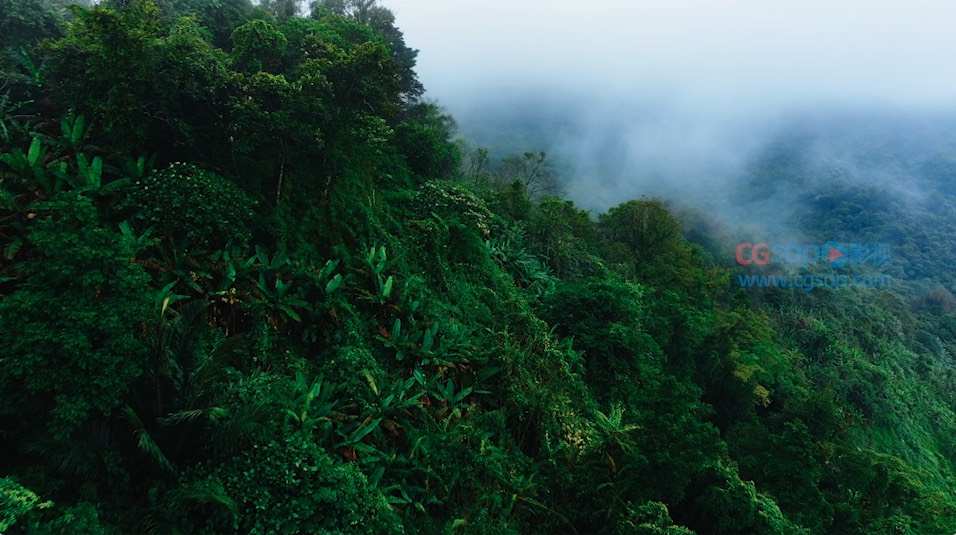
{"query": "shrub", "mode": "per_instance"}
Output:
(291, 486)
(186, 202)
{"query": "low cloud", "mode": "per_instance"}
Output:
(684, 99)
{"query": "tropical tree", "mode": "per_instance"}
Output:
(382, 20)
(534, 170)
(162, 92)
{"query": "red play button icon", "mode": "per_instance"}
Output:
(834, 254)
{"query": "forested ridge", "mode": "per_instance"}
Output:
(251, 282)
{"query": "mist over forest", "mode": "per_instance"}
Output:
(687, 100)
(777, 176)
(613, 150)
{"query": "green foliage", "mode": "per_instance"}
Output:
(424, 137)
(603, 319)
(311, 405)
(532, 170)
(451, 224)
(258, 45)
(75, 309)
(564, 235)
(185, 202)
(382, 20)
(645, 226)
(16, 501)
(650, 518)
(528, 270)
(512, 202)
(34, 168)
(22, 511)
(108, 67)
(795, 484)
(26, 22)
(220, 17)
(289, 485)
(281, 9)
(178, 353)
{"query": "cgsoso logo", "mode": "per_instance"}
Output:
(835, 254)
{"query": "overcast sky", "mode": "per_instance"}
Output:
(718, 51)
(673, 98)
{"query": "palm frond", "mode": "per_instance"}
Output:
(145, 442)
(212, 414)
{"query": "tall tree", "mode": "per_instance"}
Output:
(25, 22)
(282, 9)
(149, 84)
(382, 20)
(533, 169)
(424, 137)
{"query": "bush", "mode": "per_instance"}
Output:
(293, 486)
(184, 202)
(15, 502)
(75, 311)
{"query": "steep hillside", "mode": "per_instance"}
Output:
(248, 285)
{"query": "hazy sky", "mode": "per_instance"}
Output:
(673, 98)
(718, 51)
